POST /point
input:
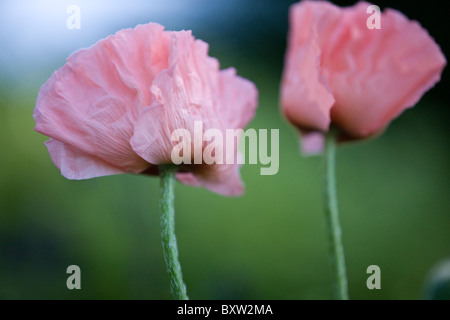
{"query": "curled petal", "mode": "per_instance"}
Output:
(306, 98)
(223, 179)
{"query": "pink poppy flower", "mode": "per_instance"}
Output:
(339, 72)
(112, 107)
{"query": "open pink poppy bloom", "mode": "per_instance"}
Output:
(339, 72)
(112, 107)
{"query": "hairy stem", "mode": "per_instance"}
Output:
(169, 241)
(332, 218)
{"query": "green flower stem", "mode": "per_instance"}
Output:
(332, 218)
(169, 241)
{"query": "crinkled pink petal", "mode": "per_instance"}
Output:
(376, 74)
(113, 107)
(359, 78)
(183, 94)
(91, 103)
(191, 90)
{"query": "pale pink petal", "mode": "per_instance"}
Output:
(386, 70)
(93, 101)
(75, 164)
(306, 99)
(238, 99)
(151, 139)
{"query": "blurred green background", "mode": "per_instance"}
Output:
(269, 244)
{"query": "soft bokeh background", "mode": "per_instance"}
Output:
(271, 243)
